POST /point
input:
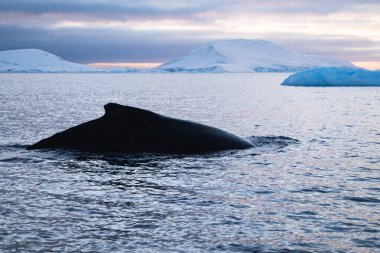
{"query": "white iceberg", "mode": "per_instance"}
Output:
(38, 61)
(334, 76)
(241, 55)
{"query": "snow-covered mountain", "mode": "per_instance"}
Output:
(35, 60)
(247, 56)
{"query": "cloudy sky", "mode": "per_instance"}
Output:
(149, 32)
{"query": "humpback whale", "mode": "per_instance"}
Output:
(129, 130)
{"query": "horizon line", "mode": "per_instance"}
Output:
(136, 65)
(370, 65)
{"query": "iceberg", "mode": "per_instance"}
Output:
(334, 76)
(38, 61)
(240, 55)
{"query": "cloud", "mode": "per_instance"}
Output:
(292, 7)
(146, 30)
(107, 9)
(344, 47)
(182, 9)
(86, 46)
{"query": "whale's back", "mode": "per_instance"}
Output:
(130, 129)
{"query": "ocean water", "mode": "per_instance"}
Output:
(311, 184)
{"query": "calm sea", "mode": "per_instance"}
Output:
(312, 182)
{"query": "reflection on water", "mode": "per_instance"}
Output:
(311, 183)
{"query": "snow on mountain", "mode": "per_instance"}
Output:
(334, 76)
(35, 60)
(247, 56)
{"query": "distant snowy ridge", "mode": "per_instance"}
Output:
(236, 56)
(334, 76)
(38, 61)
(247, 56)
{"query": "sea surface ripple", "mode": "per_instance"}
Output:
(310, 184)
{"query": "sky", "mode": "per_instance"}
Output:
(144, 33)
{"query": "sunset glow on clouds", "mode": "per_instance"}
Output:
(154, 31)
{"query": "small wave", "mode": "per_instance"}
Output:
(15, 153)
(17, 159)
(13, 146)
(363, 199)
(274, 141)
(316, 189)
(258, 248)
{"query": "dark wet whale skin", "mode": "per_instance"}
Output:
(129, 129)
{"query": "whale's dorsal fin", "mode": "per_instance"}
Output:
(116, 109)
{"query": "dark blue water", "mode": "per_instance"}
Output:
(318, 194)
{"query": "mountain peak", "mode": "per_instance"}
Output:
(243, 55)
(241, 41)
(36, 60)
